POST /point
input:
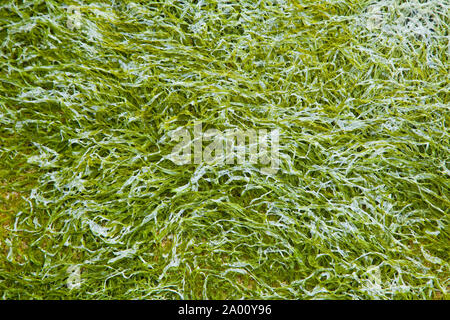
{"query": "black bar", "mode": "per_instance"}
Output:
(224, 309)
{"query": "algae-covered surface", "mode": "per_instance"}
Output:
(92, 207)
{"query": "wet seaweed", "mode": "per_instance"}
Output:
(91, 206)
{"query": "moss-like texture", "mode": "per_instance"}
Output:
(91, 207)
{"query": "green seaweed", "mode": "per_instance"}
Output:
(359, 91)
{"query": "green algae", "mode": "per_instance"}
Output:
(358, 90)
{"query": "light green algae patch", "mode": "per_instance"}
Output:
(91, 207)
